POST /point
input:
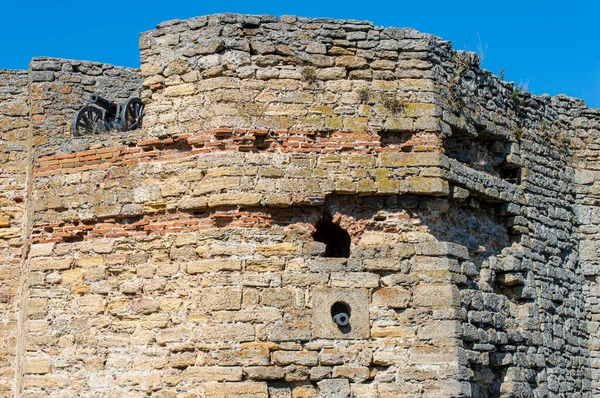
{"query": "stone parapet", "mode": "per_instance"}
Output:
(286, 73)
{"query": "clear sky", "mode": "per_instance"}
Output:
(552, 45)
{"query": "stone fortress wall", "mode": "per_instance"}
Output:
(286, 165)
(14, 133)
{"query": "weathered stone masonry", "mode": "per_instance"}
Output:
(14, 133)
(288, 166)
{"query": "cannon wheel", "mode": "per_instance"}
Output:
(132, 113)
(88, 120)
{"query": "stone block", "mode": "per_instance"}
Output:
(304, 279)
(295, 373)
(150, 69)
(351, 62)
(90, 261)
(180, 90)
(280, 298)
(356, 374)
(265, 265)
(198, 374)
(36, 366)
(192, 203)
(393, 297)
(356, 300)
(219, 298)
(320, 372)
(424, 263)
(389, 357)
(213, 265)
(41, 250)
(45, 381)
(247, 389)
(429, 355)
(364, 390)
(434, 295)
(264, 372)
(382, 264)
(177, 67)
(436, 248)
(280, 249)
(439, 330)
(73, 276)
(172, 336)
(331, 73)
(80, 289)
(298, 330)
(334, 388)
(307, 358)
(144, 305)
(410, 159)
(354, 279)
(428, 186)
(235, 332)
(589, 250)
(335, 356)
(15, 109)
(406, 332)
(331, 264)
(316, 48)
(50, 263)
(216, 185)
(235, 199)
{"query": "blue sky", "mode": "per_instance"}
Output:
(552, 45)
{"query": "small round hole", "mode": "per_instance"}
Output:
(340, 313)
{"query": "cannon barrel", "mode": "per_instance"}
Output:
(342, 319)
(105, 104)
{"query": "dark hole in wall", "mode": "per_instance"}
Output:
(78, 237)
(395, 139)
(223, 135)
(261, 142)
(339, 307)
(250, 25)
(337, 240)
(129, 220)
(511, 174)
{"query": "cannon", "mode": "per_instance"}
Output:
(342, 319)
(101, 115)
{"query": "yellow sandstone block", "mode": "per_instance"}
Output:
(37, 366)
(282, 249)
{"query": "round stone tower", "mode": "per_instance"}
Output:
(313, 208)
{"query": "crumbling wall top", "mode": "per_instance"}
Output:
(285, 73)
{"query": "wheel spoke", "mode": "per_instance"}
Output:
(88, 120)
(131, 115)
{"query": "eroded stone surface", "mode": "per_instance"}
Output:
(323, 325)
(180, 259)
